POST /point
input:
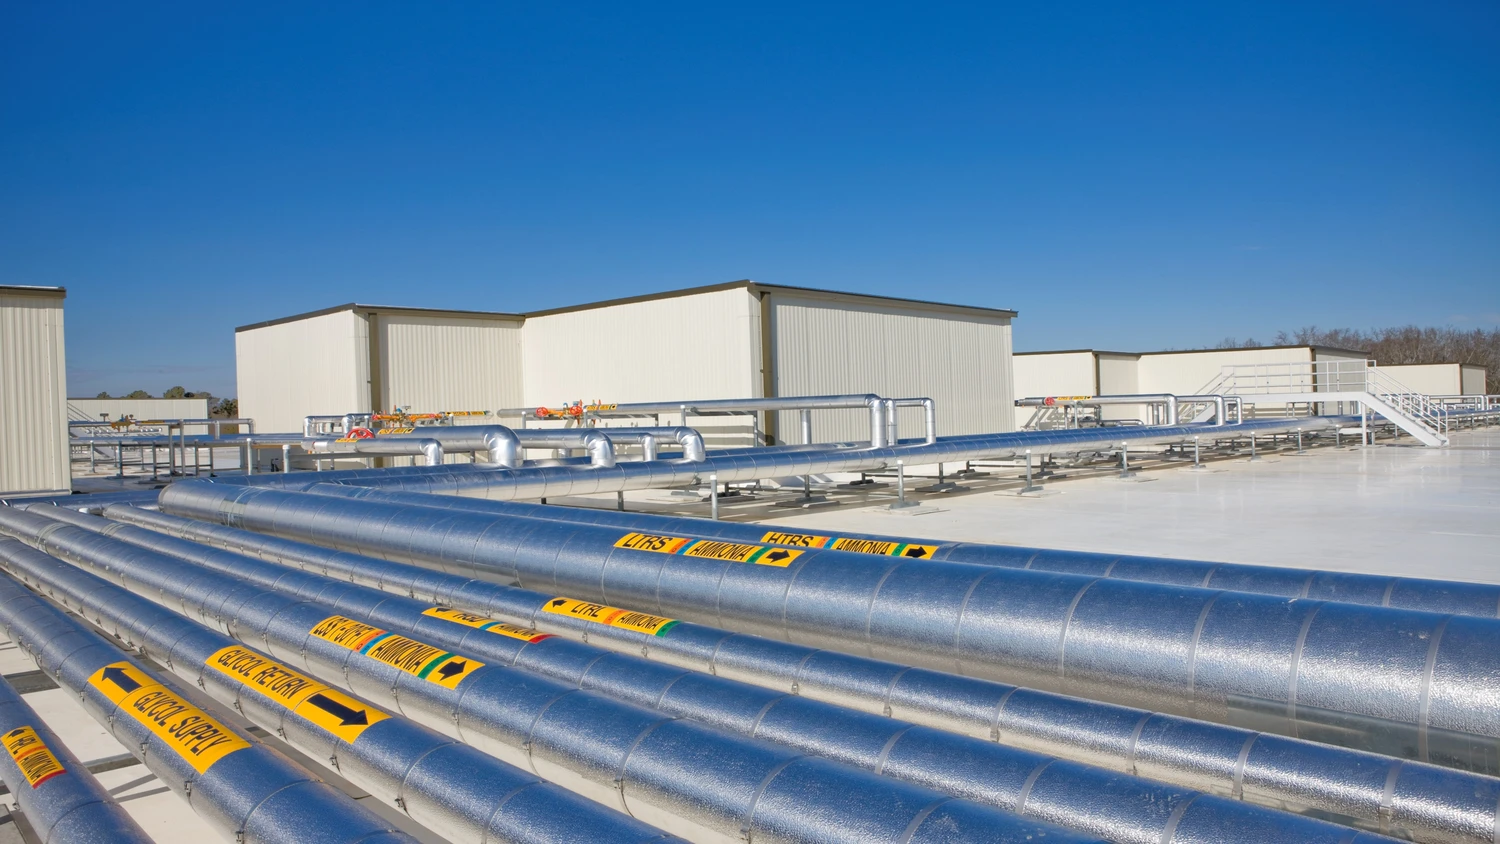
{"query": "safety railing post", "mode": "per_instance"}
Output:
(713, 496)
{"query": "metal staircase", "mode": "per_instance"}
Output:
(1339, 382)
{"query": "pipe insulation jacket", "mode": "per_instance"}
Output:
(681, 775)
(446, 786)
(1409, 799)
(1141, 811)
(1399, 682)
(59, 797)
(1445, 596)
(241, 787)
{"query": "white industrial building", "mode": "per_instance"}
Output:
(736, 340)
(140, 410)
(1440, 379)
(33, 384)
(1088, 372)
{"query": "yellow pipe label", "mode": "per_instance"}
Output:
(189, 731)
(479, 622)
(651, 625)
(712, 549)
(894, 548)
(36, 761)
(327, 707)
(384, 431)
(418, 659)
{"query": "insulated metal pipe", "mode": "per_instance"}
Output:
(689, 439)
(680, 774)
(1412, 800)
(59, 797)
(244, 789)
(500, 445)
(1217, 401)
(1136, 809)
(929, 416)
(429, 449)
(1443, 596)
(601, 451)
(448, 787)
(542, 482)
(1398, 682)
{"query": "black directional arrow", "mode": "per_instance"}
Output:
(778, 555)
(15, 732)
(915, 552)
(451, 668)
(348, 716)
(118, 676)
(559, 602)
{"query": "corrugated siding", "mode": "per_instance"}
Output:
(432, 364)
(88, 410)
(686, 347)
(962, 362)
(312, 366)
(33, 392)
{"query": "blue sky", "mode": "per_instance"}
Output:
(1126, 175)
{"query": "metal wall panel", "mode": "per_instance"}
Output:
(703, 346)
(831, 345)
(1432, 379)
(89, 410)
(1052, 374)
(1473, 378)
(318, 365)
(33, 394)
(447, 363)
(1190, 373)
(1119, 375)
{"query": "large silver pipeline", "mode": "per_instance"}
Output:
(689, 439)
(929, 417)
(244, 789)
(499, 444)
(683, 776)
(448, 787)
(1218, 402)
(1442, 596)
(59, 797)
(601, 451)
(1136, 809)
(1422, 802)
(430, 450)
(1398, 682)
(757, 464)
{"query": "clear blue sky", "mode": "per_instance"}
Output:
(1126, 175)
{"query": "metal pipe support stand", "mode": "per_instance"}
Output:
(901, 502)
(1030, 487)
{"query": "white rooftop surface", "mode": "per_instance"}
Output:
(1385, 509)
